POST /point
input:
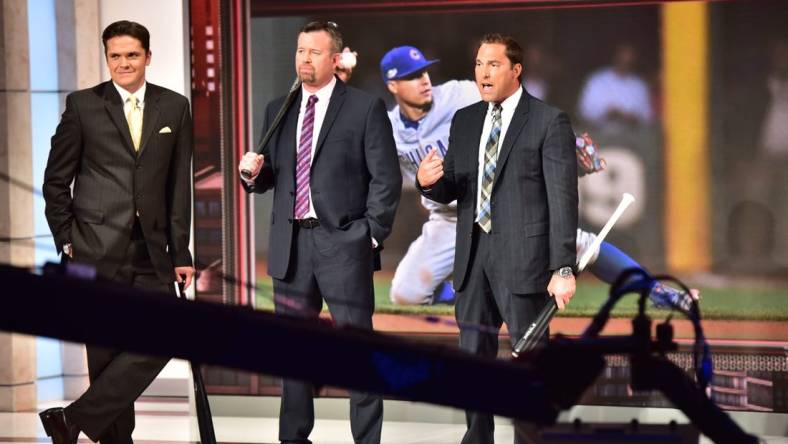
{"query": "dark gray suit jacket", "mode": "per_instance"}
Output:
(92, 146)
(534, 197)
(355, 178)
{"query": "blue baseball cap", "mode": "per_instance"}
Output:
(403, 61)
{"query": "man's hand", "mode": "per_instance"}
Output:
(562, 289)
(347, 61)
(184, 271)
(430, 170)
(251, 162)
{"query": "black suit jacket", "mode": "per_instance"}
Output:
(92, 147)
(355, 178)
(534, 197)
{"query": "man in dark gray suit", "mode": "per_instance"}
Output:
(126, 146)
(334, 170)
(511, 167)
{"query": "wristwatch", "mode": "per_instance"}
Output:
(564, 272)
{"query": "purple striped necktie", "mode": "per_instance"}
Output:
(304, 160)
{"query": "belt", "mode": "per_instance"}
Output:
(308, 223)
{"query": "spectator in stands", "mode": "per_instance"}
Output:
(774, 146)
(615, 97)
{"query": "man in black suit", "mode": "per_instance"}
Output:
(333, 168)
(511, 167)
(126, 145)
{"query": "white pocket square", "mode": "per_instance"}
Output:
(165, 130)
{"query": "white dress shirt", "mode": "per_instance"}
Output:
(321, 106)
(507, 111)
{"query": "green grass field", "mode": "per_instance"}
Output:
(739, 303)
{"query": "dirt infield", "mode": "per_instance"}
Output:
(736, 330)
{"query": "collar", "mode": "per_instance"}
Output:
(413, 124)
(124, 94)
(323, 94)
(510, 103)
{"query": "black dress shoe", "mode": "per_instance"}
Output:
(56, 426)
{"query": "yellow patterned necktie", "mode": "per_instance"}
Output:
(134, 119)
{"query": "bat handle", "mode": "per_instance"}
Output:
(182, 287)
(536, 330)
(519, 347)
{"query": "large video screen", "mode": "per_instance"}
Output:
(615, 74)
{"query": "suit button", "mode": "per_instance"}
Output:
(139, 167)
(290, 220)
(292, 193)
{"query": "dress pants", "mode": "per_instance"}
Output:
(105, 412)
(481, 307)
(320, 272)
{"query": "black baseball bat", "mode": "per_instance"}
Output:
(291, 95)
(204, 417)
(539, 326)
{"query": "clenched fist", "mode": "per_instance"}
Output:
(251, 163)
(430, 170)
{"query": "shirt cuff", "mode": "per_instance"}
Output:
(248, 182)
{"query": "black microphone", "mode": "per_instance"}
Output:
(291, 95)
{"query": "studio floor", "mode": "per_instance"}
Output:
(167, 421)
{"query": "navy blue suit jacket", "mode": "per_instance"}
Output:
(355, 179)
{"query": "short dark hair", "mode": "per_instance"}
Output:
(514, 52)
(330, 27)
(131, 29)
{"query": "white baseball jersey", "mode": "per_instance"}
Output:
(415, 139)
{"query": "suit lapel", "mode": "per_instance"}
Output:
(334, 105)
(287, 136)
(150, 114)
(477, 121)
(519, 118)
(114, 106)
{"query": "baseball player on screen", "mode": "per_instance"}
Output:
(421, 121)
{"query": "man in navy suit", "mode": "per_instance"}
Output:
(511, 167)
(333, 167)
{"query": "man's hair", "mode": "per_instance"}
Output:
(514, 52)
(131, 29)
(330, 27)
